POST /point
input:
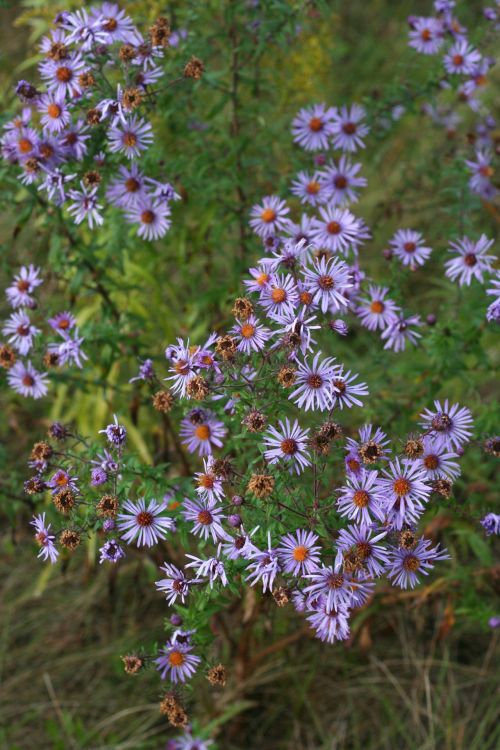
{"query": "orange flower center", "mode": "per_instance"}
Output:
(131, 185)
(289, 446)
(144, 518)
(278, 295)
(28, 380)
(425, 35)
(25, 145)
(247, 330)
(54, 110)
(202, 432)
(147, 217)
(23, 285)
(431, 462)
(64, 74)
(315, 124)
(401, 487)
(361, 498)
(326, 282)
(62, 480)
(176, 658)
(457, 59)
(300, 553)
(206, 480)
(409, 247)
(268, 215)
(205, 517)
(313, 187)
(377, 306)
(262, 279)
(411, 563)
(487, 171)
(306, 298)
(130, 139)
(333, 227)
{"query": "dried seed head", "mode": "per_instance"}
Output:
(197, 388)
(34, 486)
(261, 485)
(64, 500)
(41, 452)
(107, 507)
(226, 346)
(407, 539)
(222, 468)
(443, 487)
(194, 69)
(281, 596)
(7, 357)
(159, 32)
(242, 308)
(51, 359)
(254, 421)
(414, 448)
(178, 718)
(70, 539)
(132, 97)
(92, 178)
(132, 663)
(163, 401)
(57, 52)
(286, 376)
(371, 452)
(86, 80)
(217, 675)
(127, 53)
(93, 116)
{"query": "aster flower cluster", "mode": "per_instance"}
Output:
(465, 72)
(80, 137)
(22, 345)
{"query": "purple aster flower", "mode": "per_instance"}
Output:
(62, 322)
(399, 332)
(353, 464)
(373, 444)
(309, 189)
(494, 622)
(201, 432)
(111, 19)
(163, 191)
(287, 444)
(83, 30)
(461, 58)
(426, 35)
(20, 144)
(211, 568)
(301, 231)
(362, 500)
(493, 312)
(406, 565)
(27, 381)
(491, 524)
(295, 330)
(209, 487)
(330, 623)
(175, 585)
(345, 391)
(26, 91)
(128, 189)
(144, 521)
(152, 216)
(359, 543)
(107, 462)
(348, 128)
(23, 286)
(337, 229)
(339, 589)
(436, 461)
(54, 112)
(408, 246)
(146, 371)
(312, 127)
(269, 217)
(449, 425)
(20, 331)
(314, 384)
(54, 183)
(482, 172)
(131, 138)
(116, 433)
(61, 76)
(340, 181)
(264, 566)
(251, 335)
(471, 260)
(377, 312)
(98, 476)
(45, 539)
(206, 516)
(260, 278)
(299, 553)
(61, 480)
(339, 326)
(405, 490)
(111, 551)
(184, 364)
(279, 296)
(289, 254)
(69, 350)
(108, 525)
(85, 206)
(326, 281)
(177, 662)
(239, 546)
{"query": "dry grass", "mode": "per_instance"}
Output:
(396, 686)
